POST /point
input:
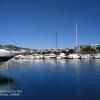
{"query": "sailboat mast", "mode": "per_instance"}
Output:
(76, 38)
(56, 40)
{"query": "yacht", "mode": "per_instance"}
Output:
(62, 56)
(97, 56)
(73, 56)
(15, 53)
(5, 55)
(85, 56)
(19, 57)
(40, 56)
(37, 56)
(48, 56)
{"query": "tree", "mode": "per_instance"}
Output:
(88, 50)
(98, 49)
(71, 51)
(56, 52)
(65, 52)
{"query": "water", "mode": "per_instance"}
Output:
(53, 80)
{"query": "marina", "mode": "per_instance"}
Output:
(53, 56)
(49, 50)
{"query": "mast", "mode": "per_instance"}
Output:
(76, 38)
(56, 40)
(56, 43)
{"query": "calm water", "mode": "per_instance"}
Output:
(53, 80)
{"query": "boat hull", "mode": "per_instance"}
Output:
(73, 56)
(97, 56)
(4, 59)
(5, 55)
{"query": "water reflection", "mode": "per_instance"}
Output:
(54, 79)
(5, 83)
(5, 80)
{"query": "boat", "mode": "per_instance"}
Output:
(73, 56)
(25, 57)
(85, 56)
(19, 57)
(96, 56)
(16, 53)
(5, 55)
(62, 56)
(49, 56)
(37, 56)
(76, 54)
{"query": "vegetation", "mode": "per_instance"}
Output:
(66, 52)
(71, 51)
(56, 53)
(88, 50)
(98, 49)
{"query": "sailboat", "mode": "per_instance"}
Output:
(52, 55)
(61, 55)
(75, 55)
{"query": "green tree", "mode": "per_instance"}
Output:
(71, 51)
(98, 49)
(65, 52)
(88, 50)
(56, 52)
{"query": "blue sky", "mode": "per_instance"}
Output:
(33, 23)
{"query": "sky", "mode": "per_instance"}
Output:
(33, 23)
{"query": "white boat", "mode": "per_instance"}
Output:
(24, 57)
(19, 57)
(97, 56)
(62, 56)
(59, 57)
(40, 57)
(5, 55)
(85, 56)
(49, 56)
(73, 56)
(37, 56)
(16, 52)
(31, 57)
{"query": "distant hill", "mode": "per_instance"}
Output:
(13, 47)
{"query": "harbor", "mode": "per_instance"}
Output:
(51, 74)
(61, 56)
(49, 50)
